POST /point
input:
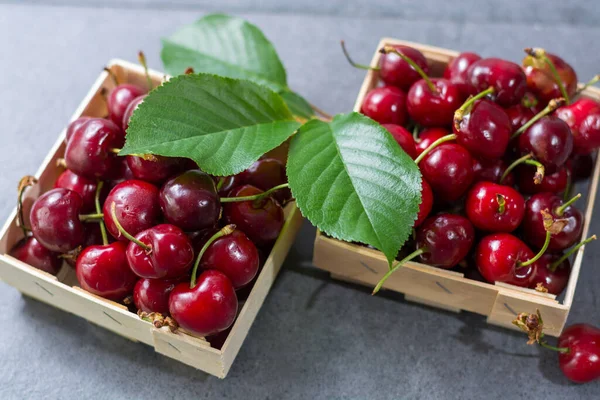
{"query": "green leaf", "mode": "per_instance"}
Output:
(353, 181)
(297, 104)
(223, 124)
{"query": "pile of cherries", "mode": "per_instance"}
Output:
(180, 244)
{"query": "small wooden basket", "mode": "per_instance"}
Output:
(62, 291)
(441, 288)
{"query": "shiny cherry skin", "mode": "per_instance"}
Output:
(484, 210)
(190, 201)
(31, 252)
(447, 238)
(507, 78)
(130, 109)
(104, 271)
(555, 281)
(206, 309)
(265, 174)
(533, 225)
(260, 221)
(394, 71)
(553, 183)
(426, 203)
(456, 71)
(154, 169)
(484, 130)
(74, 125)
(152, 295)
(234, 255)
(88, 152)
(497, 257)
(224, 184)
(55, 221)
(119, 99)
(448, 168)
(519, 115)
(549, 140)
(404, 138)
(582, 363)
(583, 117)
(84, 186)
(428, 136)
(541, 81)
(171, 254)
(428, 108)
(582, 166)
(491, 171)
(386, 105)
(137, 207)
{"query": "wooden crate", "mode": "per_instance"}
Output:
(441, 288)
(63, 292)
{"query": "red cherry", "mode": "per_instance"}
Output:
(403, 137)
(386, 105)
(265, 174)
(74, 125)
(549, 140)
(541, 81)
(152, 295)
(55, 221)
(491, 171)
(494, 208)
(394, 71)
(103, 271)
(130, 109)
(582, 166)
(446, 240)
(582, 363)
(428, 136)
(122, 173)
(583, 118)
(137, 207)
(226, 183)
(456, 71)
(31, 252)
(207, 308)
(448, 168)
(507, 79)
(553, 183)
(85, 187)
(426, 203)
(154, 169)
(519, 115)
(554, 280)
(433, 108)
(119, 99)
(234, 255)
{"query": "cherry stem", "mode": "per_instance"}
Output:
(412, 63)
(114, 151)
(501, 203)
(226, 230)
(24, 183)
(415, 133)
(589, 83)
(552, 105)
(529, 101)
(526, 159)
(99, 212)
(255, 197)
(113, 213)
(568, 187)
(539, 254)
(321, 112)
(561, 210)
(112, 76)
(396, 266)
(460, 113)
(91, 217)
(563, 350)
(355, 65)
(221, 182)
(433, 145)
(143, 63)
(552, 267)
(540, 54)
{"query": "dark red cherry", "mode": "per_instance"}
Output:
(152, 295)
(541, 81)
(74, 125)
(426, 203)
(103, 271)
(494, 208)
(581, 363)
(583, 118)
(137, 207)
(428, 136)
(582, 166)
(507, 79)
(403, 137)
(122, 173)
(497, 257)
(491, 171)
(519, 115)
(119, 99)
(553, 183)
(84, 186)
(207, 308)
(433, 108)
(169, 253)
(549, 140)
(130, 109)
(190, 201)
(386, 105)
(446, 239)
(225, 183)
(55, 220)
(456, 71)
(31, 252)
(234, 255)
(395, 71)
(484, 130)
(533, 225)
(154, 169)
(90, 153)
(260, 220)
(448, 168)
(554, 280)
(265, 174)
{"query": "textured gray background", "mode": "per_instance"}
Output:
(314, 338)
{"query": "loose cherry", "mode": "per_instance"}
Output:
(456, 71)
(548, 75)
(397, 71)
(426, 203)
(448, 168)
(583, 118)
(265, 174)
(74, 125)
(553, 183)
(120, 98)
(190, 201)
(403, 137)
(386, 105)
(85, 187)
(428, 136)
(130, 109)
(154, 169)
(31, 252)
(152, 295)
(580, 362)
(491, 171)
(507, 79)
(494, 208)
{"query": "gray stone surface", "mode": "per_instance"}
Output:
(314, 338)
